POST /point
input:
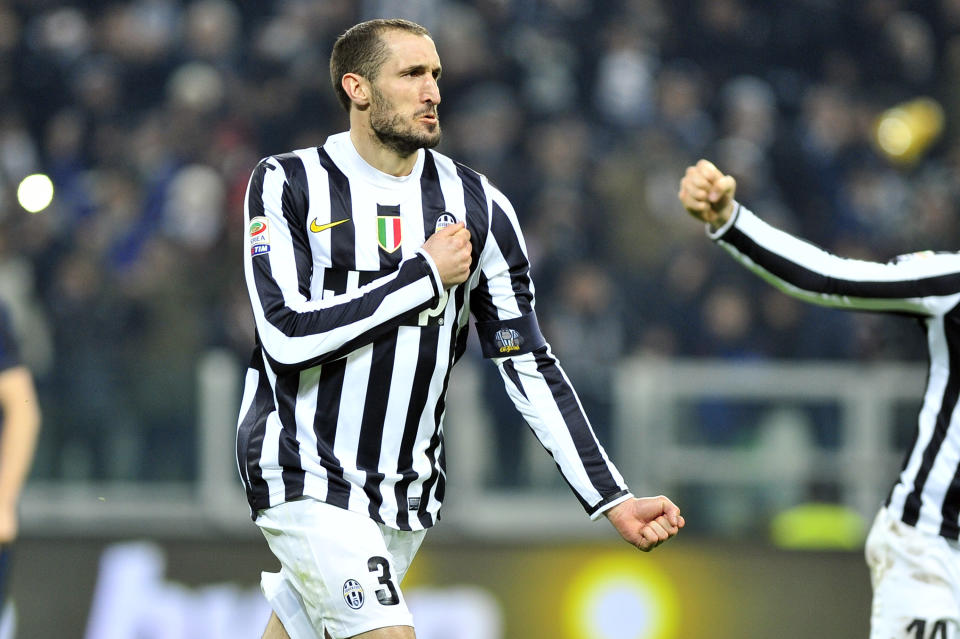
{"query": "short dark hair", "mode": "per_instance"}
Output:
(361, 50)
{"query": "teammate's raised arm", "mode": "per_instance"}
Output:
(707, 193)
(921, 511)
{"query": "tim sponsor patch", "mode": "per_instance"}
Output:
(259, 236)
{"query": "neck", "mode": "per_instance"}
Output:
(377, 155)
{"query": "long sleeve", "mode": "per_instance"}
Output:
(295, 329)
(923, 284)
(503, 305)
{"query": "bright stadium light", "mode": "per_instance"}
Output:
(35, 192)
(894, 135)
(611, 599)
(906, 131)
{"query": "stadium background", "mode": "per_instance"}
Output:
(760, 416)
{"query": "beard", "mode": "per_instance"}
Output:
(397, 134)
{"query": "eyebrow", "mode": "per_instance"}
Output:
(436, 71)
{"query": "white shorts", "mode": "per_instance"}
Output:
(916, 582)
(340, 571)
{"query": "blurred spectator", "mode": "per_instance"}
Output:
(624, 93)
(681, 108)
(586, 330)
(211, 31)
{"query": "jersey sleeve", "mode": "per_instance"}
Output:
(294, 330)
(923, 284)
(503, 306)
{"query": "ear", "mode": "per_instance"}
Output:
(357, 89)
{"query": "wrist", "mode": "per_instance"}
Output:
(613, 510)
(718, 228)
(722, 216)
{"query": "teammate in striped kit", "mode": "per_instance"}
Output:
(364, 259)
(912, 548)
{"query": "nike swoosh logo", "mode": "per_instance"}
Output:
(316, 228)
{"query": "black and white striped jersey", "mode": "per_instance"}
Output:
(923, 285)
(344, 399)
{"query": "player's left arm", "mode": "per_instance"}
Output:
(21, 425)
(503, 304)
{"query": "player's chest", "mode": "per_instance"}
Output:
(354, 240)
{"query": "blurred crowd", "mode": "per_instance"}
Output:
(149, 115)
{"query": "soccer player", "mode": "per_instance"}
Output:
(364, 258)
(18, 439)
(912, 548)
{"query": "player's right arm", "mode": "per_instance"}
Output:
(21, 425)
(922, 284)
(299, 332)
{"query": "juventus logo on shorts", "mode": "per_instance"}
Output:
(353, 593)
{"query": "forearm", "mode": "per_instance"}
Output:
(301, 334)
(808, 272)
(548, 403)
(21, 425)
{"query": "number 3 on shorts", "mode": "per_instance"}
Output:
(388, 597)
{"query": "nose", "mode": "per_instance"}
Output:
(431, 91)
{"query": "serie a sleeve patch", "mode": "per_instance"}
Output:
(259, 236)
(504, 338)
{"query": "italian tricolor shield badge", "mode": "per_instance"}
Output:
(388, 232)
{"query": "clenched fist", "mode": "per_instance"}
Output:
(450, 249)
(646, 522)
(707, 193)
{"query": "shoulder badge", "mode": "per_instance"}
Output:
(259, 236)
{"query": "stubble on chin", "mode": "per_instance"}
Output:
(395, 133)
(400, 136)
(404, 142)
